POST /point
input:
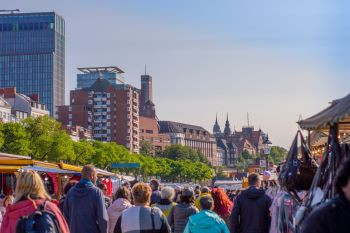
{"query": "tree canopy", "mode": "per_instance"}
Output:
(43, 139)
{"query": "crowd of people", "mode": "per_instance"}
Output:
(147, 208)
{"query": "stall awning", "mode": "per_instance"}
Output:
(70, 167)
(47, 169)
(337, 112)
(104, 173)
(9, 169)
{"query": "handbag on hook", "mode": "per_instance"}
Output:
(298, 171)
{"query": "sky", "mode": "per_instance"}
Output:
(276, 60)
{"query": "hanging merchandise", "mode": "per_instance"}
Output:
(297, 174)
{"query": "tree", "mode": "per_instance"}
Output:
(180, 152)
(15, 139)
(83, 152)
(62, 148)
(277, 154)
(146, 148)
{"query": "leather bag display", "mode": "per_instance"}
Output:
(300, 168)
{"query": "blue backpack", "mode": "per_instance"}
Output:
(40, 221)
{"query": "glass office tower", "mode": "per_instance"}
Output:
(32, 57)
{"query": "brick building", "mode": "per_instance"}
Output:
(111, 111)
(192, 136)
(149, 127)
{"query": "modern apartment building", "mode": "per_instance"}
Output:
(110, 111)
(32, 55)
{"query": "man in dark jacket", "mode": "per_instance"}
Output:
(155, 197)
(333, 216)
(251, 213)
(84, 207)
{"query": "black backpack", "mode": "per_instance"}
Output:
(40, 221)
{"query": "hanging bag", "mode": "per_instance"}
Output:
(298, 173)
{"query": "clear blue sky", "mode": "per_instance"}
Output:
(273, 59)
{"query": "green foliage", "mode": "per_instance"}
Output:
(277, 154)
(180, 152)
(15, 139)
(43, 139)
(146, 148)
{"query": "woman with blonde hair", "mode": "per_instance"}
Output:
(30, 194)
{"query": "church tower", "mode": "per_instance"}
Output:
(216, 128)
(227, 130)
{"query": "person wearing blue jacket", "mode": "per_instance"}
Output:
(206, 221)
(84, 207)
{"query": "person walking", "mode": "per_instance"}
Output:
(66, 189)
(334, 215)
(103, 187)
(251, 212)
(179, 214)
(84, 207)
(141, 218)
(166, 202)
(206, 221)
(30, 195)
(156, 196)
(122, 201)
(222, 204)
(205, 191)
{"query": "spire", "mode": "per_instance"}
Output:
(216, 128)
(145, 69)
(227, 130)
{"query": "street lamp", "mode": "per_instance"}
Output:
(267, 150)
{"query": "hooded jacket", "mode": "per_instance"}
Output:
(25, 208)
(251, 212)
(331, 217)
(206, 221)
(85, 210)
(179, 216)
(115, 210)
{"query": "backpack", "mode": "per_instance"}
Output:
(40, 221)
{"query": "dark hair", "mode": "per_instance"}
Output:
(253, 179)
(155, 183)
(101, 186)
(69, 186)
(343, 177)
(206, 203)
(123, 192)
(187, 199)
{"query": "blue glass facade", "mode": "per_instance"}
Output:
(32, 55)
(86, 80)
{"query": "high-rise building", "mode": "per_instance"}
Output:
(89, 75)
(32, 55)
(111, 112)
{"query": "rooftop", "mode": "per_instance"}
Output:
(110, 69)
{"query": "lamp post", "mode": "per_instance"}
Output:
(267, 150)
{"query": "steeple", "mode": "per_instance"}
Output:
(216, 128)
(227, 130)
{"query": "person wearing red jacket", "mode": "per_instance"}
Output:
(30, 194)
